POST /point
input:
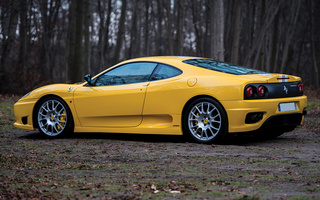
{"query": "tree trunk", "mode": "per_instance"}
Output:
(87, 14)
(159, 28)
(106, 51)
(236, 34)
(313, 51)
(274, 43)
(121, 31)
(71, 39)
(180, 24)
(295, 13)
(271, 13)
(23, 38)
(146, 29)
(100, 52)
(217, 30)
(207, 37)
(195, 20)
(9, 40)
(169, 27)
(76, 67)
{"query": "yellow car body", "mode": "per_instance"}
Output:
(158, 106)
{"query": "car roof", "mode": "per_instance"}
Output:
(162, 59)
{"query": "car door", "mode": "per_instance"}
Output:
(116, 98)
(164, 91)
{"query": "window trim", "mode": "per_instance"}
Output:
(96, 78)
(157, 69)
(224, 71)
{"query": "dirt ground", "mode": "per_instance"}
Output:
(110, 166)
(122, 166)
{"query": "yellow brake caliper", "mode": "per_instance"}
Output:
(62, 119)
(196, 123)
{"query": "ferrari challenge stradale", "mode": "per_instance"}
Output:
(198, 97)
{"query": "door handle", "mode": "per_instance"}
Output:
(146, 84)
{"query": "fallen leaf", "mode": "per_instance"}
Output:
(174, 192)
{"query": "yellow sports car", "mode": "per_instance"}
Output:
(198, 97)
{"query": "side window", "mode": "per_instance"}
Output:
(165, 71)
(127, 74)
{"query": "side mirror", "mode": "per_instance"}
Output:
(87, 78)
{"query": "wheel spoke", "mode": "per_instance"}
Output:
(214, 128)
(215, 116)
(215, 121)
(201, 136)
(59, 125)
(204, 134)
(196, 116)
(52, 102)
(54, 126)
(208, 109)
(198, 109)
(61, 121)
(211, 131)
(43, 107)
(55, 108)
(61, 110)
(45, 125)
(212, 110)
(48, 106)
(202, 109)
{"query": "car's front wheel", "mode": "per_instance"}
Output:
(54, 117)
(205, 121)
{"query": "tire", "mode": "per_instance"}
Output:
(54, 118)
(205, 121)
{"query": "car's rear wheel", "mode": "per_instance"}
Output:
(54, 117)
(205, 121)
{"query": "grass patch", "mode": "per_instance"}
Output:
(6, 115)
(313, 107)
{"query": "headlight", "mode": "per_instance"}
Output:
(25, 95)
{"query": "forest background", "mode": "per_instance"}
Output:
(52, 41)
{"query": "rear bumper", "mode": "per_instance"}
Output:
(272, 117)
(283, 123)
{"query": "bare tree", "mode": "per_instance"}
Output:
(313, 51)
(180, 24)
(293, 21)
(169, 27)
(121, 31)
(60, 40)
(217, 30)
(268, 19)
(9, 24)
(146, 28)
(87, 49)
(236, 33)
(76, 65)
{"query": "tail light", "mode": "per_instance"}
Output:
(249, 91)
(261, 91)
(300, 87)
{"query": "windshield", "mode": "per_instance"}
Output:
(222, 67)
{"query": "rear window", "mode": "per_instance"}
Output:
(222, 67)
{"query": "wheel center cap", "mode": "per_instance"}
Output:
(205, 121)
(52, 117)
